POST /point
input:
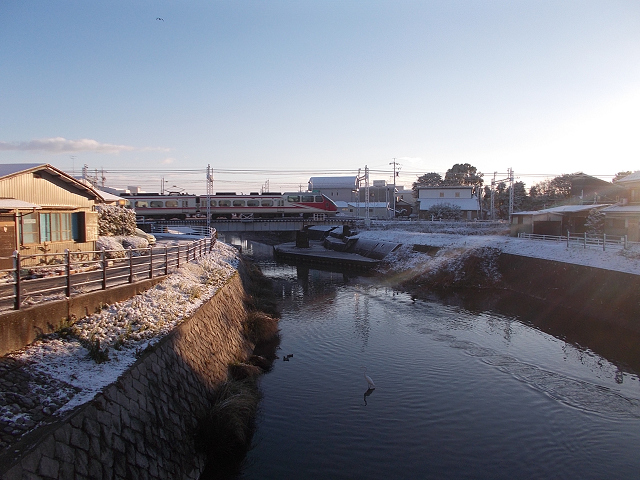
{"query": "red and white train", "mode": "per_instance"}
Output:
(230, 205)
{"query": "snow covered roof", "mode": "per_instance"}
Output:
(622, 209)
(632, 178)
(332, 182)
(108, 197)
(13, 204)
(562, 209)
(465, 204)
(341, 204)
(371, 204)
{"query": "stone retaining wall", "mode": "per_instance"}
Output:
(141, 426)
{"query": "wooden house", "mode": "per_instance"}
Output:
(44, 210)
(624, 218)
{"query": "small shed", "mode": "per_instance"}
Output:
(552, 221)
(44, 210)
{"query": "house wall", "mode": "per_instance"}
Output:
(445, 193)
(54, 195)
(44, 189)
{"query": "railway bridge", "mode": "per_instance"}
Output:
(250, 224)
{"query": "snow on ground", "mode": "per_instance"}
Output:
(125, 328)
(405, 258)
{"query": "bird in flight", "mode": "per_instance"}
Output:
(160, 19)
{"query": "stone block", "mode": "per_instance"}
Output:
(82, 463)
(91, 426)
(64, 453)
(95, 469)
(30, 462)
(63, 434)
(79, 439)
(67, 470)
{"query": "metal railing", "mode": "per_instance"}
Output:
(585, 240)
(50, 276)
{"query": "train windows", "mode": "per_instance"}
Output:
(238, 203)
(171, 204)
(185, 203)
(307, 198)
(281, 203)
(142, 204)
(155, 204)
(212, 203)
(267, 203)
(224, 203)
(293, 198)
(319, 198)
(253, 203)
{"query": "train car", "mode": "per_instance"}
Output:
(230, 205)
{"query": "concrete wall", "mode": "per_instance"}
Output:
(19, 328)
(142, 425)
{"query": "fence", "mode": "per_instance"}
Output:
(585, 240)
(47, 276)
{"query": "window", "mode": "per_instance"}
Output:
(224, 203)
(49, 227)
(212, 203)
(267, 203)
(155, 204)
(253, 203)
(318, 198)
(441, 194)
(28, 228)
(185, 203)
(293, 198)
(307, 198)
(141, 204)
(457, 194)
(238, 203)
(171, 204)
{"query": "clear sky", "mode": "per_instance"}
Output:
(285, 90)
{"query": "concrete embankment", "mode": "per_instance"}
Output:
(142, 425)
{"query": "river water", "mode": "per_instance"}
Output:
(460, 393)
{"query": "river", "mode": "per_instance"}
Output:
(460, 393)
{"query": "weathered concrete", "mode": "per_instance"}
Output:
(19, 328)
(141, 426)
(612, 296)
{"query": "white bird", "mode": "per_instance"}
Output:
(368, 379)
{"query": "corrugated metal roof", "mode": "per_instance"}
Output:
(465, 204)
(12, 168)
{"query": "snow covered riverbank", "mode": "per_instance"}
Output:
(65, 375)
(405, 258)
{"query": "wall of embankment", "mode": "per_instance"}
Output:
(611, 296)
(142, 425)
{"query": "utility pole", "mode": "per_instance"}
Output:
(209, 193)
(394, 163)
(367, 219)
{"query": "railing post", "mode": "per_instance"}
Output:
(585, 240)
(625, 243)
(166, 260)
(68, 255)
(16, 266)
(150, 261)
(178, 266)
(604, 241)
(130, 265)
(103, 259)
(568, 233)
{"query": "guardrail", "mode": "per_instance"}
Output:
(585, 240)
(41, 276)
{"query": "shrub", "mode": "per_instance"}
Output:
(225, 431)
(114, 220)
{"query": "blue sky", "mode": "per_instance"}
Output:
(289, 89)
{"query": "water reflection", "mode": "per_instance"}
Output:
(367, 393)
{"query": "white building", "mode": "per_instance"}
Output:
(336, 188)
(458, 195)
